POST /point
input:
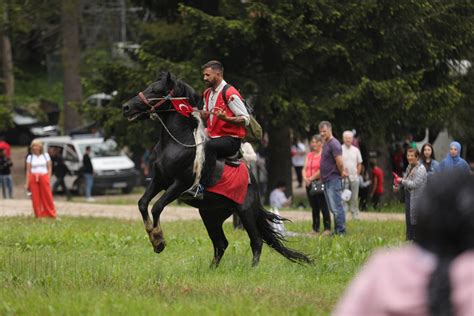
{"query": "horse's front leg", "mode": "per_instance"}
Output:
(152, 189)
(156, 236)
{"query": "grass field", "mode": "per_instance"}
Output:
(80, 266)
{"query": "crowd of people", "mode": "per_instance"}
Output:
(349, 182)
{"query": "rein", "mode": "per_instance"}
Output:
(153, 112)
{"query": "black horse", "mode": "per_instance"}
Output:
(174, 171)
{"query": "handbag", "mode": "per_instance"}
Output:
(346, 193)
(317, 187)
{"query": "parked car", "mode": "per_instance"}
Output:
(26, 128)
(112, 168)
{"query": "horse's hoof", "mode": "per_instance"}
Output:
(160, 247)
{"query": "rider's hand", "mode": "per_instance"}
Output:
(220, 113)
(204, 114)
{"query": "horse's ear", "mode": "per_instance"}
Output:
(169, 80)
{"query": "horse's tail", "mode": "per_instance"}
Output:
(274, 239)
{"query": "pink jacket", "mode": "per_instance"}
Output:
(394, 282)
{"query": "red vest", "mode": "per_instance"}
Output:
(220, 127)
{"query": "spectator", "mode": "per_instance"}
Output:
(5, 175)
(377, 184)
(5, 146)
(428, 158)
(352, 159)
(433, 276)
(398, 160)
(364, 186)
(88, 172)
(414, 181)
(38, 174)
(298, 153)
(60, 170)
(332, 167)
(278, 198)
(311, 172)
(453, 159)
(145, 163)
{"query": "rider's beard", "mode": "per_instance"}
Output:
(209, 84)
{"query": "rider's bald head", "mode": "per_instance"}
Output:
(214, 65)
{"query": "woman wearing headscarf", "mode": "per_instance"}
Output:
(428, 158)
(453, 159)
(38, 174)
(433, 276)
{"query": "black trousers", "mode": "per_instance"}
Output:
(318, 204)
(376, 201)
(215, 148)
(409, 227)
(299, 175)
(60, 183)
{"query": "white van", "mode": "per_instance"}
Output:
(112, 168)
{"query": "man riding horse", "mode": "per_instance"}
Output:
(225, 119)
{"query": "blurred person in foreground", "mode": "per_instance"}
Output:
(311, 172)
(38, 174)
(413, 182)
(435, 275)
(453, 160)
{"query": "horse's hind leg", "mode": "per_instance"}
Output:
(213, 221)
(256, 242)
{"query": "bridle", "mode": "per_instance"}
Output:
(153, 108)
(154, 115)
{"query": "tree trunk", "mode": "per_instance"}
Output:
(7, 64)
(279, 168)
(71, 61)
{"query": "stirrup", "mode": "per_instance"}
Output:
(196, 191)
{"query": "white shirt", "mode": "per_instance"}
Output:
(39, 164)
(351, 157)
(277, 198)
(298, 152)
(235, 104)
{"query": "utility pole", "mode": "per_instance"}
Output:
(123, 21)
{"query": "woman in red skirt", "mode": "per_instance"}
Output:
(38, 173)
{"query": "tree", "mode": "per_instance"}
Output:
(378, 66)
(71, 62)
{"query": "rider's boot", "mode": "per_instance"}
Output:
(196, 191)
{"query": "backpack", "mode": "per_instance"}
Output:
(253, 131)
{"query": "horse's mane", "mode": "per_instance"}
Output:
(183, 89)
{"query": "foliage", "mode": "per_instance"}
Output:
(5, 117)
(377, 66)
(103, 267)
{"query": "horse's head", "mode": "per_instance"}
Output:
(155, 95)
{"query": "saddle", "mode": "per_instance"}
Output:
(232, 161)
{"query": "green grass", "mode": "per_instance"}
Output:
(80, 266)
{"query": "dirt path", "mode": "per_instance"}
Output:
(22, 207)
